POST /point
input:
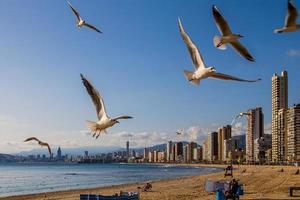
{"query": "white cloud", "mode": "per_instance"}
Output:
(293, 52)
(239, 128)
(268, 128)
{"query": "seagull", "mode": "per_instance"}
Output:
(80, 22)
(228, 37)
(290, 24)
(104, 121)
(240, 115)
(179, 132)
(201, 71)
(43, 144)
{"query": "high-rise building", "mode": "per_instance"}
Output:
(188, 153)
(173, 154)
(161, 156)
(193, 146)
(255, 130)
(279, 107)
(224, 133)
(261, 147)
(197, 154)
(210, 147)
(178, 151)
(185, 153)
(151, 156)
(127, 149)
(293, 134)
(145, 153)
(58, 154)
(169, 151)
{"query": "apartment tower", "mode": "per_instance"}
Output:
(279, 108)
(293, 134)
(255, 130)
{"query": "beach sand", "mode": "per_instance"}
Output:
(260, 182)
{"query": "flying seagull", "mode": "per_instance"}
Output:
(80, 22)
(104, 121)
(201, 71)
(240, 115)
(180, 132)
(227, 36)
(290, 24)
(43, 144)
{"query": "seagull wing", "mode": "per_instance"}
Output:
(96, 98)
(221, 22)
(123, 117)
(48, 146)
(291, 17)
(75, 12)
(242, 50)
(92, 27)
(32, 138)
(194, 52)
(230, 78)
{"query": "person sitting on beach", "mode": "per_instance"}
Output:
(228, 171)
(234, 185)
(147, 187)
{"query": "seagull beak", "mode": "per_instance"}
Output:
(117, 122)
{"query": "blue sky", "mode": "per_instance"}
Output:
(137, 66)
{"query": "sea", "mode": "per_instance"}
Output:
(32, 178)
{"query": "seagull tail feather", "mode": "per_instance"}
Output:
(93, 126)
(278, 31)
(189, 76)
(217, 41)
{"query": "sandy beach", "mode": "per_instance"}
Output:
(260, 182)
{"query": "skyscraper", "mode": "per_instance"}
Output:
(293, 133)
(169, 151)
(279, 107)
(255, 130)
(210, 147)
(178, 151)
(127, 149)
(58, 154)
(224, 133)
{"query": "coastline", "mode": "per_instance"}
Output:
(259, 182)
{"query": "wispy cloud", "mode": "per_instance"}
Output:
(294, 53)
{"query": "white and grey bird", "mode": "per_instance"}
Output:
(228, 37)
(201, 71)
(180, 132)
(104, 121)
(290, 24)
(80, 22)
(240, 115)
(43, 144)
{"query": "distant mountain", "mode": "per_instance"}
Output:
(6, 158)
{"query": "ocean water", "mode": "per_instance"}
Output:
(30, 178)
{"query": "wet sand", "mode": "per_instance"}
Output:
(260, 182)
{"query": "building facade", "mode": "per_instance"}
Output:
(224, 133)
(279, 107)
(255, 130)
(293, 134)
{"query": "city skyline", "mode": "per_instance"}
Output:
(42, 92)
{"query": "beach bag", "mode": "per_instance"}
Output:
(220, 195)
(240, 190)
